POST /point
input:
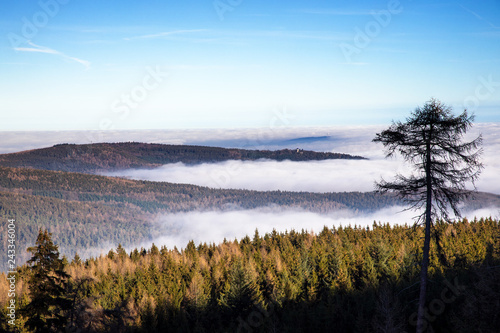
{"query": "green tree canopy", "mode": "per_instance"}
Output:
(47, 285)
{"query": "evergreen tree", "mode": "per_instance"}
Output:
(47, 284)
(243, 294)
(431, 140)
(122, 254)
(76, 260)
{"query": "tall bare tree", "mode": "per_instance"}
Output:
(431, 140)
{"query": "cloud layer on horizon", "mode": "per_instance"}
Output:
(354, 140)
(311, 176)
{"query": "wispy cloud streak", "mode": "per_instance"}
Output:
(165, 34)
(43, 49)
(205, 35)
(479, 17)
(335, 12)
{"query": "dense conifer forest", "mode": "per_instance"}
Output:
(86, 211)
(339, 280)
(346, 279)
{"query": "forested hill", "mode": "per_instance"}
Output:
(115, 156)
(85, 211)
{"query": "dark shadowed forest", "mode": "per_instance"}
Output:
(339, 280)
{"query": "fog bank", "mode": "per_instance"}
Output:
(316, 176)
(266, 175)
(213, 226)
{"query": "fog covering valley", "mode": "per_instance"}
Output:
(215, 226)
(232, 221)
(312, 176)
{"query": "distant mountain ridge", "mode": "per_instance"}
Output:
(98, 157)
(308, 139)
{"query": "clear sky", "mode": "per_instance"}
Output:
(94, 64)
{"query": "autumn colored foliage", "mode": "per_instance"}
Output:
(346, 279)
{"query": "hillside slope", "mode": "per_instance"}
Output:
(91, 158)
(90, 211)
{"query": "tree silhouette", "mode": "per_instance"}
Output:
(47, 284)
(431, 140)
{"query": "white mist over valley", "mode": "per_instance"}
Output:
(176, 229)
(310, 176)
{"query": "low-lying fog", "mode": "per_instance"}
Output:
(317, 176)
(313, 176)
(266, 175)
(212, 227)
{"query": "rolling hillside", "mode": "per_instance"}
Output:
(90, 211)
(84, 210)
(87, 211)
(91, 158)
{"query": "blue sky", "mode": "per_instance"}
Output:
(89, 65)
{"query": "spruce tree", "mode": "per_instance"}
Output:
(47, 286)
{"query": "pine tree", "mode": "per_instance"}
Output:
(120, 251)
(243, 294)
(47, 285)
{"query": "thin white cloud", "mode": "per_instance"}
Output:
(335, 12)
(239, 37)
(479, 17)
(165, 34)
(17, 63)
(488, 34)
(298, 34)
(186, 67)
(353, 63)
(43, 49)
(36, 49)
